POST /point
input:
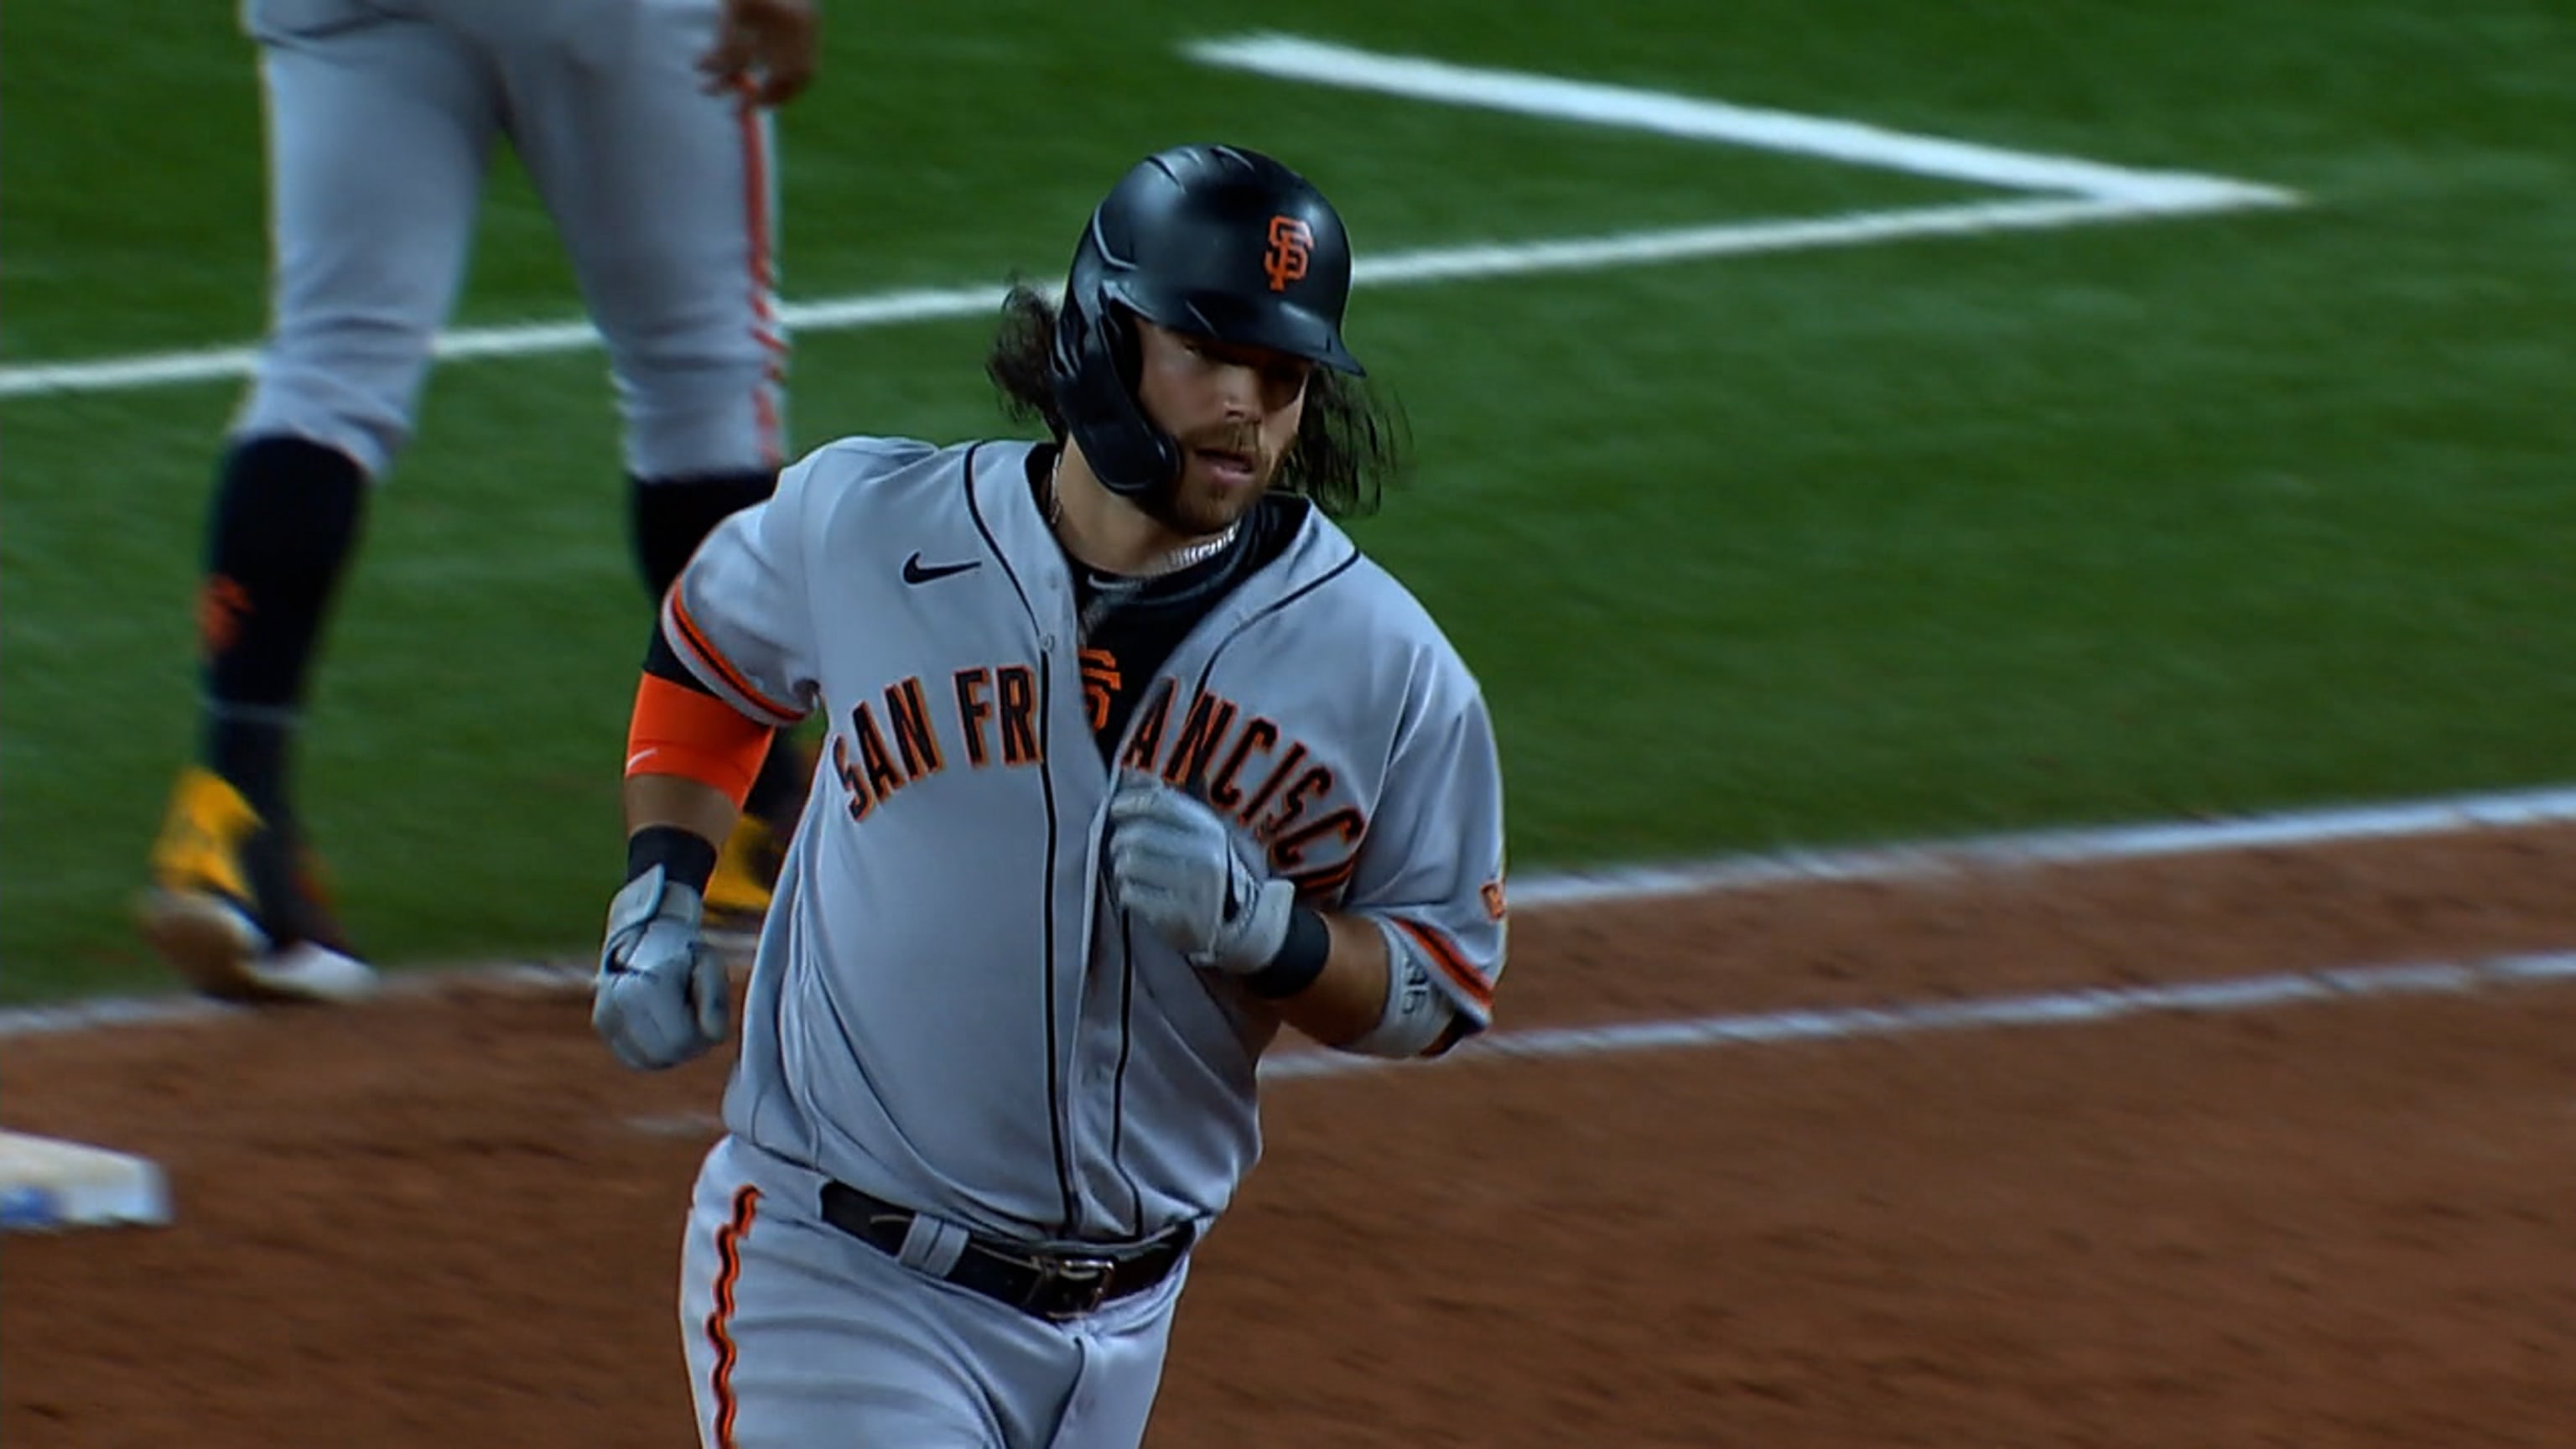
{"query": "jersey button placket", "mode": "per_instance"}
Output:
(1056, 585)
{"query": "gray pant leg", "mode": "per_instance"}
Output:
(797, 1334)
(795, 1338)
(665, 198)
(1123, 1349)
(378, 134)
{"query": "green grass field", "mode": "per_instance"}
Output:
(2195, 514)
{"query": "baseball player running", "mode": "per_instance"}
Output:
(1133, 757)
(643, 125)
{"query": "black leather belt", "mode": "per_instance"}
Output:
(1052, 1285)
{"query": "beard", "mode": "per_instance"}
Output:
(1196, 506)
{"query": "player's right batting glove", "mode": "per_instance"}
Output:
(1174, 863)
(661, 997)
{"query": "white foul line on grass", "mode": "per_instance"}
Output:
(1289, 57)
(2099, 194)
(1430, 265)
(534, 339)
(2455, 814)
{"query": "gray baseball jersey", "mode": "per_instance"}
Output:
(946, 1012)
(382, 120)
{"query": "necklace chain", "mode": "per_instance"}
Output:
(1173, 562)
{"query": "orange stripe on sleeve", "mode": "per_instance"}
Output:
(1320, 884)
(763, 279)
(746, 1206)
(696, 640)
(676, 730)
(1444, 953)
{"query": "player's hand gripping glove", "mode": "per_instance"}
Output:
(661, 996)
(1173, 862)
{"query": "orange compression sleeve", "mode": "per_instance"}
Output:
(681, 731)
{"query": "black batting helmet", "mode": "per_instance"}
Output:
(1216, 241)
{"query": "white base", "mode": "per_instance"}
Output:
(48, 1184)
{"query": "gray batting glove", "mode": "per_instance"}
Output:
(1174, 863)
(660, 997)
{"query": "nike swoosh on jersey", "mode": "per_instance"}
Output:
(916, 572)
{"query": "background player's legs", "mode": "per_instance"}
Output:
(378, 131)
(665, 198)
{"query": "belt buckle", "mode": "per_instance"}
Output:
(1089, 1280)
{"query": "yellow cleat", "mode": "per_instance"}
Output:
(213, 865)
(746, 872)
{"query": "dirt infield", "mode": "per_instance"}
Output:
(451, 1220)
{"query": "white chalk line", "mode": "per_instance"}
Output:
(2102, 194)
(2085, 1006)
(2506, 810)
(2082, 1006)
(2457, 814)
(1829, 138)
(1472, 262)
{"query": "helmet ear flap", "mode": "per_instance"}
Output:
(1096, 351)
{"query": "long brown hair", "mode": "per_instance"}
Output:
(1351, 445)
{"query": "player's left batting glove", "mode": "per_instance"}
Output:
(661, 996)
(1173, 862)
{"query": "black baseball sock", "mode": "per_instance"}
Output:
(778, 791)
(667, 518)
(284, 523)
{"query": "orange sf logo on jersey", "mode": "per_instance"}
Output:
(1290, 242)
(1100, 685)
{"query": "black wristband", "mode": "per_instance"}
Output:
(684, 855)
(1301, 957)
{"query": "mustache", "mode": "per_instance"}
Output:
(1243, 438)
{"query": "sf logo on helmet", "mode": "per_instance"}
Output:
(1285, 262)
